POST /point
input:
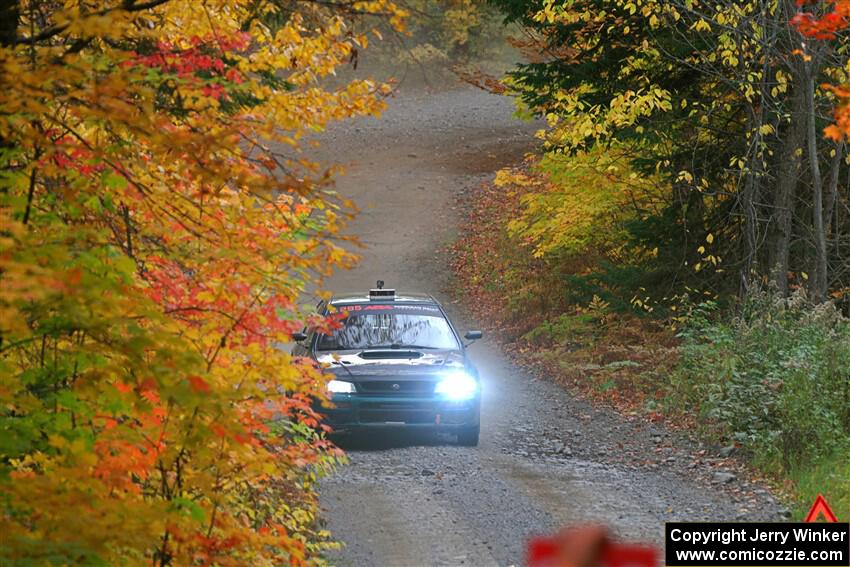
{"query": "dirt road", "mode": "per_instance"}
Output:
(546, 459)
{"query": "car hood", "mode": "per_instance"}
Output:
(391, 363)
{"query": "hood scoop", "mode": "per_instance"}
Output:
(387, 354)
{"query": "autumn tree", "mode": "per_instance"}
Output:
(724, 99)
(158, 223)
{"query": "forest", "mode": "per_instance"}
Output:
(677, 246)
(682, 236)
(159, 224)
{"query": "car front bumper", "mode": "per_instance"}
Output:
(357, 411)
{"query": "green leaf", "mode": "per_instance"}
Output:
(112, 180)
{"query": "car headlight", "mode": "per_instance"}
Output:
(457, 386)
(340, 387)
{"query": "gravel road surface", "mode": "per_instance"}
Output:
(546, 458)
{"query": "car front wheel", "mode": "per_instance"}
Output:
(468, 436)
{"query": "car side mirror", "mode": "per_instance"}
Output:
(473, 335)
(299, 336)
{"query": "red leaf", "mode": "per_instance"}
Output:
(198, 384)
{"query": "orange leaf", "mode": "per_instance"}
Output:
(198, 384)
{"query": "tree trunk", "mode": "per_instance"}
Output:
(788, 171)
(748, 200)
(819, 281)
(8, 22)
(831, 194)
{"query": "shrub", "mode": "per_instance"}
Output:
(774, 378)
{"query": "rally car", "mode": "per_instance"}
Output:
(397, 361)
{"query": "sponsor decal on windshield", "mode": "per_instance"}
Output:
(401, 309)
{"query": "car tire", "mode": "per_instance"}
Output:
(468, 436)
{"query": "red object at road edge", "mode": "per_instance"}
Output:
(541, 549)
(820, 507)
(621, 555)
(545, 551)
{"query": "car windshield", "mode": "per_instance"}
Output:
(382, 326)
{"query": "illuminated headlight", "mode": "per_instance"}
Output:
(457, 386)
(340, 387)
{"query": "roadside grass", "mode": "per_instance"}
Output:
(771, 376)
(774, 379)
(831, 477)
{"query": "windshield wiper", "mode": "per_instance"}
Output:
(341, 363)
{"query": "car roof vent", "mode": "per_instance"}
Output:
(387, 354)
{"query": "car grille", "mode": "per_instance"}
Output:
(421, 406)
(397, 415)
(402, 387)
